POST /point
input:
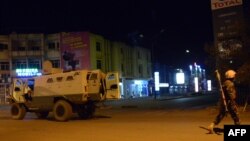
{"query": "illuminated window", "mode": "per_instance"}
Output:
(209, 85)
(180, 78)
(196, 84)
(157, 81)
(34, 63)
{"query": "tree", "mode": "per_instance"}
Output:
(243, 72)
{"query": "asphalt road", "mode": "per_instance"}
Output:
(179, 119)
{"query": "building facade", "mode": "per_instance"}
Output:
(22, 55)
(134, 65)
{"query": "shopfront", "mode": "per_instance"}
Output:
(132, 88)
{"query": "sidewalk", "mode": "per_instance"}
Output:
(149, 101)
(138, 102)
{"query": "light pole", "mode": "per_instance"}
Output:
(155, 59)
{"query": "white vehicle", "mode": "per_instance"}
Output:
(63, 93)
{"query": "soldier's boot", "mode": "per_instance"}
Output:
(237, 123)
(236, 120)
(211, 128)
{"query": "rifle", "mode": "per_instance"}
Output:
(221, 89)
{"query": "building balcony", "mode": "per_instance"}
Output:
(26, 53)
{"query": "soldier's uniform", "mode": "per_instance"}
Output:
(230, 96)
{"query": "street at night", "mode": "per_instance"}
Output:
(124, 70)
(144, 119)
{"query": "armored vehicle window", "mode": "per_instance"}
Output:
(59, 79)
(50, 80)
(18, 83)
(31, 83)
(69, 78)
(77, 73)
(93, 76)
(88, 76)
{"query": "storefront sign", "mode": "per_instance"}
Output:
(27, 72)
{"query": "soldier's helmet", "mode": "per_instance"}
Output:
(230, 74)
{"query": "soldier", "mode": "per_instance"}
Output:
(230, 95)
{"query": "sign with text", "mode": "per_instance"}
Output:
(218, 4)
(236, 132)
(77, 44)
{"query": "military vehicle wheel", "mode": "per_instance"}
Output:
(42, 114)
(62, 110)
(18, 111)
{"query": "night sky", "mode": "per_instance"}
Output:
(172, 26)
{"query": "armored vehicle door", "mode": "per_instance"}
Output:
(18, 90)
(93, 82)
(112, 85)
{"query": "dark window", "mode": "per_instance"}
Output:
(98, 64)
(20, 48)
(140, 69)
(93, 76)
(4, 66)
(59, 79)
(98, 46)
(3, 47)
(138, 55)
(69, 78)
(121, 51)
(122, 66)
(51, 46)
(5, 77)
(34, 45)
(55, 63)
(34, 48)
(76, 73)
(14, 45)
(49, 80)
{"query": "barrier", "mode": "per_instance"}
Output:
(243, 97)
(4, 93)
